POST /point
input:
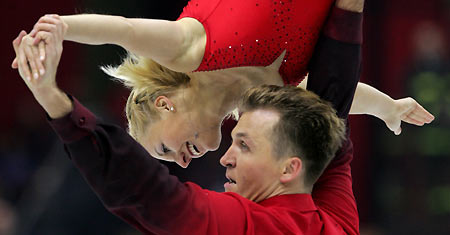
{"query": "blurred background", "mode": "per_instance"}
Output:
(401, 183)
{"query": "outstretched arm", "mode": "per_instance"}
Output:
(369, 100)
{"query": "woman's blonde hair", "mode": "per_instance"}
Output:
(147, 80)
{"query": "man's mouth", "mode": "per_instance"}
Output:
(231, 181)
(193, 150)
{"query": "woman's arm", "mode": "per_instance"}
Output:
(369, 100)
(178, 45)
(170, 43)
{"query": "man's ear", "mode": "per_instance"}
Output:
(292, 168)
(162, 103)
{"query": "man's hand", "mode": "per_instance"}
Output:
(351, 5)
(44, 89)
(31, 63)
(409, 111)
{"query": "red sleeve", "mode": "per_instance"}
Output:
(333, 191)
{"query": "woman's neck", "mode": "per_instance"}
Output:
(217, 93)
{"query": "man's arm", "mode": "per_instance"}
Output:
(335, 66)
(334, 74)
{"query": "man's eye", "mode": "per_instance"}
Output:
(243, 144)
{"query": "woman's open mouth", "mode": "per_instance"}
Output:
(193, 149)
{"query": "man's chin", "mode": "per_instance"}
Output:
(229, 187)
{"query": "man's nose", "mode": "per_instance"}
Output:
(228, 160)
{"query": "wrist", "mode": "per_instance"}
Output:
(53, 101)
(65, 22)
(386, 110)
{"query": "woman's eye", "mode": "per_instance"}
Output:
(164, 148)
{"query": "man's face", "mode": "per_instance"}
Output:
(253, 171)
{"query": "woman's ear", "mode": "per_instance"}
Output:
(292, 168)
(162, 103)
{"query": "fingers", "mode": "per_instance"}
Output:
(35, 59)
(47, 23)
(16, 42)
(46, 39)
(423, 114)
(21, 57)
(14, 64)
(42, 51)
(38, 61)
(394, 127)
(398, 131)
(29, 53)
(47, 19)
(413, 121)
(42, 27)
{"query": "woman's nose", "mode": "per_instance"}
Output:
(183, 160)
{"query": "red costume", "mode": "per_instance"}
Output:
(256, 32)
(137, 188)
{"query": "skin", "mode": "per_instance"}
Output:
(250, 161)
(202, 131)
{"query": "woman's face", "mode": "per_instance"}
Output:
(181, 135)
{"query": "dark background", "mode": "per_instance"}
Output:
(401, 183)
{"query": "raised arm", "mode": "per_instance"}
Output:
(334, 72)
(45, 90)
(170, 43)
(178, 45)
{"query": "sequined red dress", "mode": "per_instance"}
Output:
(256, 32)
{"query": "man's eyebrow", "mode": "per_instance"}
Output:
(241, 134)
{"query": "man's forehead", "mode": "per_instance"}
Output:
(256, 123)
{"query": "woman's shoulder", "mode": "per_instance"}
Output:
(199, 9)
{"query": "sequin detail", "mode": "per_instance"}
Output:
(246, 40)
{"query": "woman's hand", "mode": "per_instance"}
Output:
(35, 57)
(409, 111)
